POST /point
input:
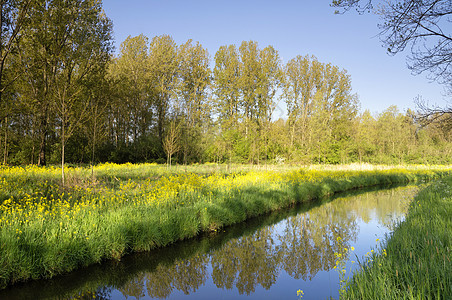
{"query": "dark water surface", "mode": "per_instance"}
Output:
(269, 257)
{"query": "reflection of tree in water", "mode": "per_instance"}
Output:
(304, 246)
(384, 206)
(247, 262)
(309, 240)
(134, 287)
(102, 293)
(184, 275)
(307, 245)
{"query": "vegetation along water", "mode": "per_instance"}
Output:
(47, 229)
(265, 257)
(416, 261)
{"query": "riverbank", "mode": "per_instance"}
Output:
(416, 262)
(47, 230)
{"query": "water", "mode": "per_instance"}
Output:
(269, 257)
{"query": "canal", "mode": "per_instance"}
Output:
(269, 257)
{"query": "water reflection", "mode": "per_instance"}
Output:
(300, 243)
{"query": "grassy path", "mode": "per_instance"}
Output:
(417, 262)
(46, 230)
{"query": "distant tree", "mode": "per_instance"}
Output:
(270, 78)
(321, 108)
(427, 114)
(422, 25)
(364, 136)
(171, 142)
(95, 127)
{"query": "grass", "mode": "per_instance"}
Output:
(46, 229)
(415, 262)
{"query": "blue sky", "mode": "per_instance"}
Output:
(295, 27)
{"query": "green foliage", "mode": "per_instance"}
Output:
(70, 95)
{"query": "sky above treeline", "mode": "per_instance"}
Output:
(295, 27)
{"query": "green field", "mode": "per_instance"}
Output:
(47, 229)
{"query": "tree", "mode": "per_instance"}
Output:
(84, 33)
(171, 143)
(194, 77)
(321, 108)
(422, 25)
(364, 136)
(260, 77)
(226, 92)
(270, 78)
(394, 135)
(302, 79)
(72, 43)
(163, 66)
(36, 60)
(131, 75)
(427, 114)
(95, 127)
(14, 16)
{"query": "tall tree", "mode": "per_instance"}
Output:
(98, 92)
(302, 79)
(131, 72)
(14, 16)
(163, 65)
(194, 78)
(260, 76)
(270, 81)
(226, 90)
(85, 34)
(72, 40)
(321, 108)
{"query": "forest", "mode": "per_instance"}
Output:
(66, 96)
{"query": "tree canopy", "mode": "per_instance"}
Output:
(65, 97)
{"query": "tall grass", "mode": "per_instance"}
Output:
(416, 261)
(46, 229)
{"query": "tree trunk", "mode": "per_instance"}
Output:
(62, 152)
(42, 143)
(94, 143)
(5, 150)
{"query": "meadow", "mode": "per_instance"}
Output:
(48, 229)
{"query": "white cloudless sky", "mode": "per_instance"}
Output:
(293, 27)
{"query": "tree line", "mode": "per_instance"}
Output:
(65, 97)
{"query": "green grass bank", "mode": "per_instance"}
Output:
(47, 230)
(417, 260)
